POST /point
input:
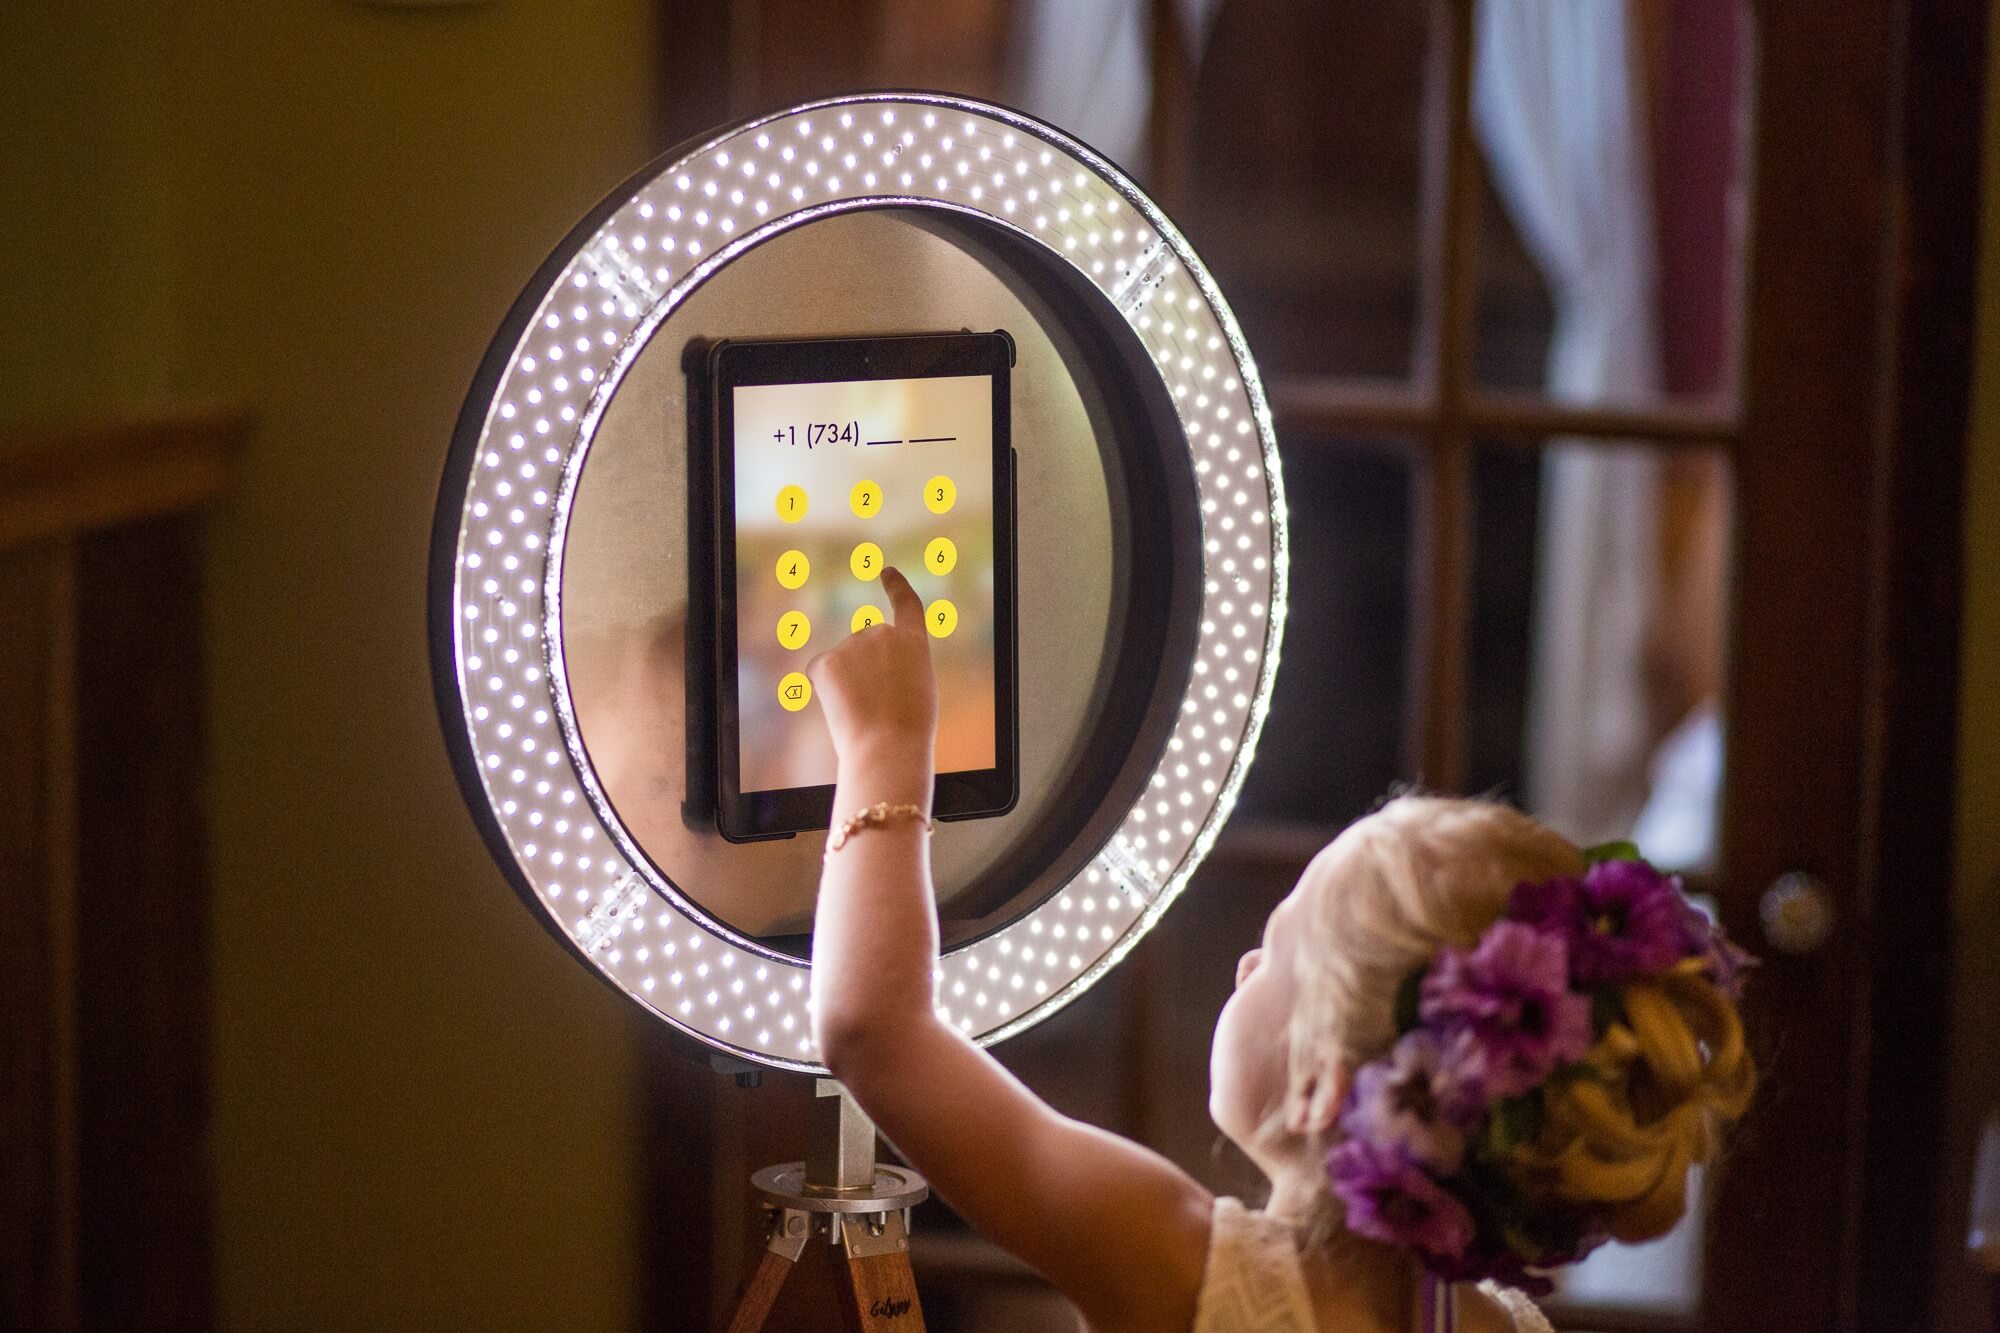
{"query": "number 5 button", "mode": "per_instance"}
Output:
(940, 557)
(866, 562)
(941, 618)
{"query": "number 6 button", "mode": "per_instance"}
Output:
(941, 618)
(940, 557)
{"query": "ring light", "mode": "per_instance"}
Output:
(527, 427)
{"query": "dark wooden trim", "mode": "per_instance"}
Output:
(79, 476)
(1337, 406)
(1441, 497)
(1904, 890)
(141, 930)
(37, 981)
(1170, 118)
(103, 958)
(1781, 1231)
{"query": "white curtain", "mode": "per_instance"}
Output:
(1559, 104)
(1559, 107)
(1085, 66)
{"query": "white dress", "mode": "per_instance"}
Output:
(1252, 1282)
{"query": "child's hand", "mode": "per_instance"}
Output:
(877, 688)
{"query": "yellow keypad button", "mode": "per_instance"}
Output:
(795, 691)
(866, 562)
(865, 499)
(794, 629)
(866, 617)
(793, 569)
(941, 618)
(940, 557)
(792, 503)
(940, 495)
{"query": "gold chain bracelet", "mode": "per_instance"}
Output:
(875, 816)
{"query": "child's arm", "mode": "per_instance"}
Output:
(1122, 1231)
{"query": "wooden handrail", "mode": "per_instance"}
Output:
(67, 478)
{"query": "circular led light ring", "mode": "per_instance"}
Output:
(645, 257)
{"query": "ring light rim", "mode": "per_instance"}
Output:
(452, 523)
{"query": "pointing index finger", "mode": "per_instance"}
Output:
(905, 607)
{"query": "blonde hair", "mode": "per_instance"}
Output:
(1424, 872)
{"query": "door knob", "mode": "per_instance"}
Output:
(1798, 913)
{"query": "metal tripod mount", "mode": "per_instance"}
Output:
(861, 1206)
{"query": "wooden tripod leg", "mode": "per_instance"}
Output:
(761, 1293)
(789, 1231)
(880, 1293)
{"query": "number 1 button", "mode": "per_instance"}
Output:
(792, 503)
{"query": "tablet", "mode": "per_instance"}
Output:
(834, 458)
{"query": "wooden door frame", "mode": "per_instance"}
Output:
(1859, 313)
(1849, 459)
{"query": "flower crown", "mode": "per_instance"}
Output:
(1430, 1127)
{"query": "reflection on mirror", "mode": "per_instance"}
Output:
(626, 574)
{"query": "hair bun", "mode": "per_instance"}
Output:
(1645, 1105)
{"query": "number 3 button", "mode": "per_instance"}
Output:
(941, 618)
(940, 494)
(940, 557)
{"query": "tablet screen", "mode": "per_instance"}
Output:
(829, 481)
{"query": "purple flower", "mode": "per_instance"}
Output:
(1390, 1198)
(1623, 919)
(1511, 993)
(1722, 960)
(1417, 1100)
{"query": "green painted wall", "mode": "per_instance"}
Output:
(320, 209)
(1964, 1303)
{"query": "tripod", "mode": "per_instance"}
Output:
(859, 1205)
